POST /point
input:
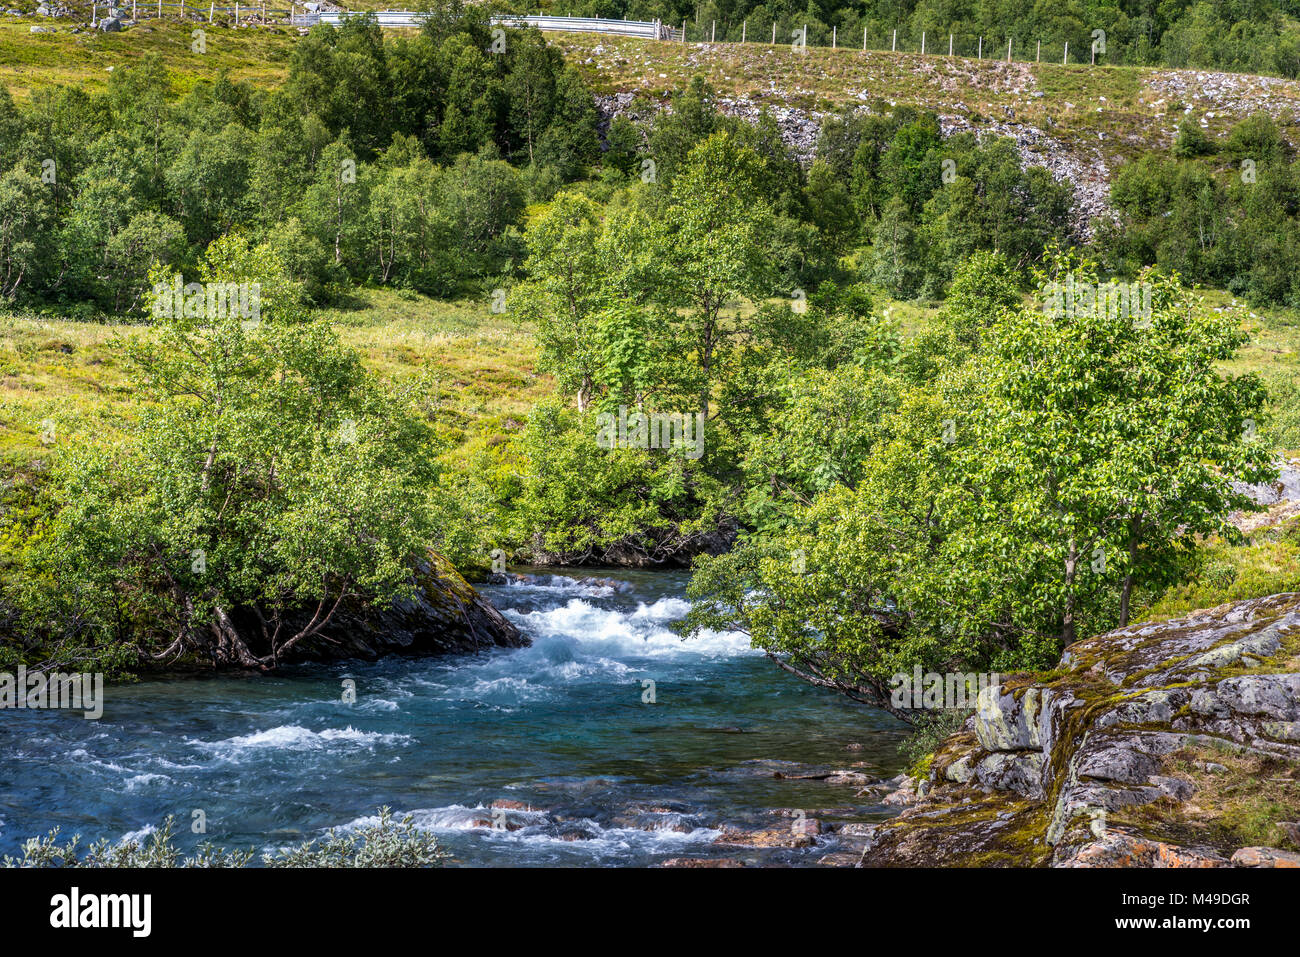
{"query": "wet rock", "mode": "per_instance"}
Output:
(851, 777)
(444, 616)
(1119, 849)
(801, 832)
(904, 794)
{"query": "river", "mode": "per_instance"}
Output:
(592, 772)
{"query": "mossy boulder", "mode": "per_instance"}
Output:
(444, 615)
(1106, 761)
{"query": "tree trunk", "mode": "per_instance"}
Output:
(1067, 622)
(1127, 593)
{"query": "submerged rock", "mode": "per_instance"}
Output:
(1146, 751)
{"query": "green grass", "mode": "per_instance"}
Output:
(1266, 564)
(63, 381)
(29, 61)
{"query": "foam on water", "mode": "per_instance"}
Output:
(295, 738)
(560, 726)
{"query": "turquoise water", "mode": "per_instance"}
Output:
(559, 727)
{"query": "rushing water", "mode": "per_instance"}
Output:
(560, 727)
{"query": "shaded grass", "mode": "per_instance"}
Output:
(1241, 800)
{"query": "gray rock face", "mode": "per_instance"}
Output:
(110, 25)
(446, 616)
(1044, 768)
(1009, 722)
(1285, 489)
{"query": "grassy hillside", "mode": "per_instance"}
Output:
(1111, 110)
(31, 60)
(1115, 110)
(61, 380)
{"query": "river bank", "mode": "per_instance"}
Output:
(546, 754)
(1165, 744)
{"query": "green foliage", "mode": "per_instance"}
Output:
(382, 843)
(1013, 505)
(396, 158)
(269, 481)
(1235, 226)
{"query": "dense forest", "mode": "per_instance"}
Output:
(973, 495)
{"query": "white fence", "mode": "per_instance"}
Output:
(650, 29)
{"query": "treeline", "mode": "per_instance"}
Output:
(411, 162)
(407, 160)
(1243, 36)
(1223, 213)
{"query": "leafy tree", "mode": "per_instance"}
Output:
(26, 215)
(271, 483)
(565, 292)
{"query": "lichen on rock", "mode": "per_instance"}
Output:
(1106, 760)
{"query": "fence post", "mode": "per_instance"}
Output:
(950, 44)
(893, 44)
(713, 36)
(133, 16)
(683, 31)
(744, 28)
(922, 43)
(980, 54)
(212, 7)
(1008, 49)
(1038, 57)
(773, 33)
(834, 34)
(864, 39)
(94, 11)
(1066, 58)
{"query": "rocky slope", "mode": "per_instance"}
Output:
(1169, 744)
(1079, 123)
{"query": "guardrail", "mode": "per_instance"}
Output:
(650, 29)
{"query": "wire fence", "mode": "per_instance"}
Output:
(795, 36)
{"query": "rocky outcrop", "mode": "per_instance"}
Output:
(1085, 171)
(445, 615)
(1167, 744)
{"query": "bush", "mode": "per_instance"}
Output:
(381, 843)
